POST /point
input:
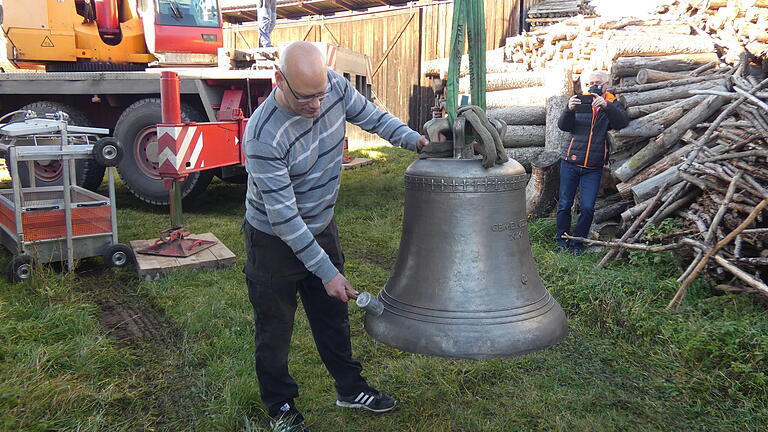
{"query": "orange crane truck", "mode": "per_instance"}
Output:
(100, 62)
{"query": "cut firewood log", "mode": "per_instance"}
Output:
(524, 136)
(520, 115)
(532, 96)
(541, 191)
(672, 93)
(630, 66)
(656, 29)
(506, 81)
(656, 148)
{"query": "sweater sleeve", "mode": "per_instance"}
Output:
(268, 170)
(362, 112)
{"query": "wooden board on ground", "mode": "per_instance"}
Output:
(152, 267)
(357, 163)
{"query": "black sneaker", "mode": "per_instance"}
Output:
(287, 419)
(371, 400)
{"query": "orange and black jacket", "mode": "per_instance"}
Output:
(587, 146)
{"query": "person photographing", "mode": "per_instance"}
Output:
(588, 117)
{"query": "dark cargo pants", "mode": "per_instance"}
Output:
(274, 275)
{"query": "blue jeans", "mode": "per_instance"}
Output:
(588, 182)
(267, 18)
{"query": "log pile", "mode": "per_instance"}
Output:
(549, 12)
(595, 43)
(707, 168)
(696, 148)
(734, 25)
(696, 31)
(513, 94)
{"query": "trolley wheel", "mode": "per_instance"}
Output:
(107, 152)
(118, 255)
(19, 268)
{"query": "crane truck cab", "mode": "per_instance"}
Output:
(102, 35)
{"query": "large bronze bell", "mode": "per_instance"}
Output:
(465, 284)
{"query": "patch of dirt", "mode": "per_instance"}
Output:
(165, 389)
(127, 321)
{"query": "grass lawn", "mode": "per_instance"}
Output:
(106, 351)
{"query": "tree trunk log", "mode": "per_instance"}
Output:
(559, 87)
(652, 124)
(629, 66)
(668, 161)
(645, 76)
(524, 155)
(541, 192)
(686, 80)
(641, 110)
(627, 82)
(648, 188)
(657, 147)
(610, 211)
(524, 136)
(532, 96)
(661, 95)
(620, 44)
(506, 81)
(520, 115)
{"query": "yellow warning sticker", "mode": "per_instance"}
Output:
(47, 43)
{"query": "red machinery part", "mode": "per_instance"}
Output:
(106, 17)
(182, 39)
(184, 148)
(170, 97)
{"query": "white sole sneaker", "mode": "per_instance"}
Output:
(362, 406)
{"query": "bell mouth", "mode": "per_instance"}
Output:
(475, 338)
(468, 317)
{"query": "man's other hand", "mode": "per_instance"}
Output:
(422, 142)
(338, 287)
(572, 102)
(598, 101)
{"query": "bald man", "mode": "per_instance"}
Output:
(293, 145)
(584, 154)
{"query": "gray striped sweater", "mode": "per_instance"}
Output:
(294, 166)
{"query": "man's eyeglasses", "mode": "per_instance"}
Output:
(310, 98)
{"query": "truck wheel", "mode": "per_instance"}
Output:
(137, 134)
(89, 172)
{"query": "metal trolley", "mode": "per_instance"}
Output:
(57, 223)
